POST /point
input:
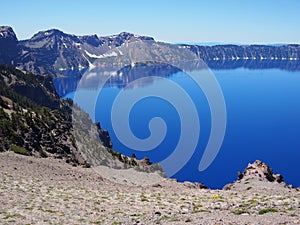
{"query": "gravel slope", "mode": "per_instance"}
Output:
(48, 191)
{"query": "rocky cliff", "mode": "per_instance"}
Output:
(57, 53)
(54, 52)
(9, 49)
(249, 56)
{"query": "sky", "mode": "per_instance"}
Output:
(174, 21)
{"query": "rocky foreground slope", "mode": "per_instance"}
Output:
(48, 191)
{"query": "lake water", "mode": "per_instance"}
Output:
(263, 122)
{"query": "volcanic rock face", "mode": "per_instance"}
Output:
(54, 52)
(8, 45)
(262, 171)
(257, 175)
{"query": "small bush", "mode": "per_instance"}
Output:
(19, 150)
(239, 212)
(43, 154)
(263, 211)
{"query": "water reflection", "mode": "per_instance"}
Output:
(68, 83)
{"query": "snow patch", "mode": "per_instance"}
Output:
(106, 55)
(112, 54)
(81, 67)
(93, 55)
(91, 66)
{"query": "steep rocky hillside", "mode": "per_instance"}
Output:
(36, 121)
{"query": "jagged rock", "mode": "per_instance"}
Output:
(261, 170)
(240, 175)
(194, 185)
(254, 175)
(104, 136)
(227, 187)
(145, 162)
(279, 178)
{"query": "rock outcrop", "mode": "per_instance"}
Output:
(260, 170)
(254, 175)
(104, 136)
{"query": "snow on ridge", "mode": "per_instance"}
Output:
(93, 55)
(112, 54)
(91, 66)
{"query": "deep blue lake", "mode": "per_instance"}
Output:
(263, 122)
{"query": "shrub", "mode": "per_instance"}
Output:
(19, 150)
(263, 211)
(43, 154)
(239, 212)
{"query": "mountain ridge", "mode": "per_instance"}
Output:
(54, 52)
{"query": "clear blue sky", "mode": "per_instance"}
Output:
(230, 21)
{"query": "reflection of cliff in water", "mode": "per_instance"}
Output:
(119, 78)
(65, 85)
(290, 65)
(130, 73)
